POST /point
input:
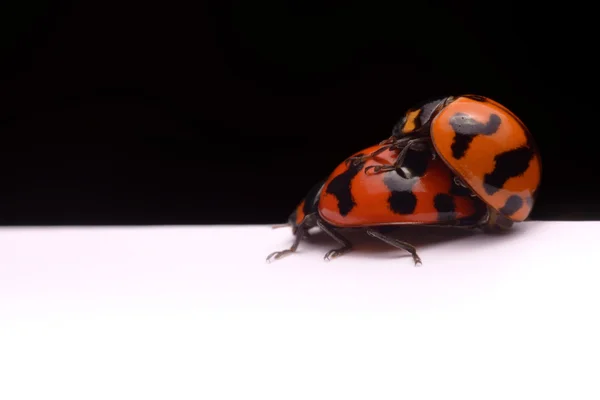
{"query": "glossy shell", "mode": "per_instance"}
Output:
(427, 195)
(492, 152)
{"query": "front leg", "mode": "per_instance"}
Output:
(418, 144)
(276, 255)
(356, 160)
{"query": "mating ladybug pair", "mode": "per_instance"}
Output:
(463, 161)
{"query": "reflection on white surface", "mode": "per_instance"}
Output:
(196, 312)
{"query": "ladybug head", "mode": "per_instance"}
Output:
(417, 119)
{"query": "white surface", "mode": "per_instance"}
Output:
(196, 313)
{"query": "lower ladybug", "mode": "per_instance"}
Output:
(485, 145)
(422, 191)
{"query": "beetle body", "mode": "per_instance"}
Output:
(483, 143)
(422, 191)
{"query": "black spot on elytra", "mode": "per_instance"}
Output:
(340, 187)
(311, 201)
(509, 164)
(512, 205)
(466, 128)
(444, 204)
(401, 200)
(460, 145)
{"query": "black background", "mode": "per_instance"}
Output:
(228, 112)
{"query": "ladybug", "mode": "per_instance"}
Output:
(422, 191)
(485, 145)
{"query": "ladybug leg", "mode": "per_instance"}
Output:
(276, 255)
(386, 168)
(346, 245)
(396, 243)
(418, 144)
(380, 168)
(358, 159)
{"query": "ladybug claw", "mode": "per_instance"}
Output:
(354, 160)
(379, 168)
(331, 255)
(276, 255)
(335, 253)
(371, 167)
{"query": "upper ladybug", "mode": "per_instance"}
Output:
(486, 145)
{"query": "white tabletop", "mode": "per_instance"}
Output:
(197, 313)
